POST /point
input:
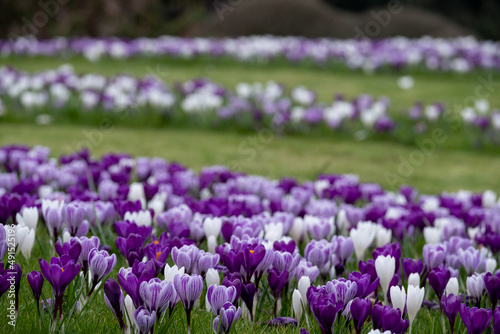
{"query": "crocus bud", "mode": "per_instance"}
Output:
(212, 277)
(452, 287)
(25, 238)
(490, 265)
(432, 235)
(475, 286)
(385, 267)
(35, 280)
(170, 272)
(297, 304)
(303, 285)
(362, 236)
(130, 309)
(383, 236)
(414, 279)
(414, 302)
(113, 298)
(218, 295)
(29, 217)
(398, 298)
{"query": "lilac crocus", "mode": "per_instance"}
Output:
(450, 305)
(73, 215)
(433, 255)
(189, 289)
(218, 295)
(87, 245)
(130, 279)
(100, 265)
(157, 295)
(206, 261)
(228, 315)
(187, 257)
(476, 320)
(113, 298)
(59, 273)
(35, 280)
(475, 287)
(144, 320)
(3, 242)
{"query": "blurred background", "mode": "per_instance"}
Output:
(310, 18)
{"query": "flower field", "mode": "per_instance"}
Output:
(263, 225)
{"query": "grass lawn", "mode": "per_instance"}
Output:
(274, 157)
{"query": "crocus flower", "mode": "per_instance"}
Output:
(492, 284)
(438, 279)
(189, 289)
(476, 320)
(450, 304)
(218, 295)
(324, 307)
(131, 247)
(113, 297)
(411, 266)
(398, 298)
(100, 265)
(28, 217)
(452, 287)
(228, 315)
(144, 320)
(475, 287)
(59, 274)
(297, 304)
(187, 257)
(206, 261)
(385, 267)
(360, 311)
(25, 239)
(247, 295)
(157, 295)
(414, 301)
(496, 321)
(130, 279)
(171, 272)
(414, 279)
(388, 319)
(3, 242)
(362, 237)
(35, 280)
(73, 215)
(72, 248)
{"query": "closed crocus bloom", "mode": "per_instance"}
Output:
(186, 256)
(189, 289)
(144, 320)
(100, 265)
(228, 315)
(438, 279)
(141, 218)
(383, 236)
(450, 305)
(297, 304)
(476, 320)
(362, 236)
(212, 226)
(432, 235)
(492, 285)
(29, 217)
(218, 295)
(130, 309)
(490, 265)
(297, 230)
(212, 277)
(385, 267)
(360, 311)
(73, 215)
(25, 238)
(157, 295)
(414, 279)
(211, 243)
(414, 302)
(113, 298)
(171, 272)
(488, 198)
(303, 285)
(206, 261)
(398, 298)
(452, 287)
(136, 193)
(35, 280)
(475, 287)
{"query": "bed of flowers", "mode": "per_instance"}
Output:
(436, 54)
(161, 244)
(64, 96)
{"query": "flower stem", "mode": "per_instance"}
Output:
(188, 318)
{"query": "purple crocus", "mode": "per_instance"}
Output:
(235, 281)
(496, 321)
(228, 315)
(158, 253)
(451, 306)
(72, 248)
(206, 261)
(324, 307)
(157, 295)
(218, 295)
(100, 265)
(364, 283)
(189, 289)
(247, 295)
(87, 245)
(411, 266)
(386, 318)
(187, 257)
(131, 247)
(144, 320)
(113, 297)
(492, 284)
(438, 278)
(130, 279)
(35, 280)
(476, 320)
(59, 274)
(360, 311)
(73, 215)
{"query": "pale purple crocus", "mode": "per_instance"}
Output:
(189, 289)
(228, 315)
(144, 320)
(218, 295)
(157, 295)
(100, 265)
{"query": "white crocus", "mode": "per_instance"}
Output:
(211, 277)
(141, 218)
(385, 267)
(297, 304)
(170, 272)
(129, 313)
(490, 265)
(414, 302)
(432, 235)
(25, 239)
(414, 279)
(488, 198)
(451, 287)
(383, 236)
(362, 236)
(303, 286)
(136, 193)
(28, 217)
(298, 229)
(398, 298)
(212, 227)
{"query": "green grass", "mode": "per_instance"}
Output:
(449, 88)
(273, 157)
